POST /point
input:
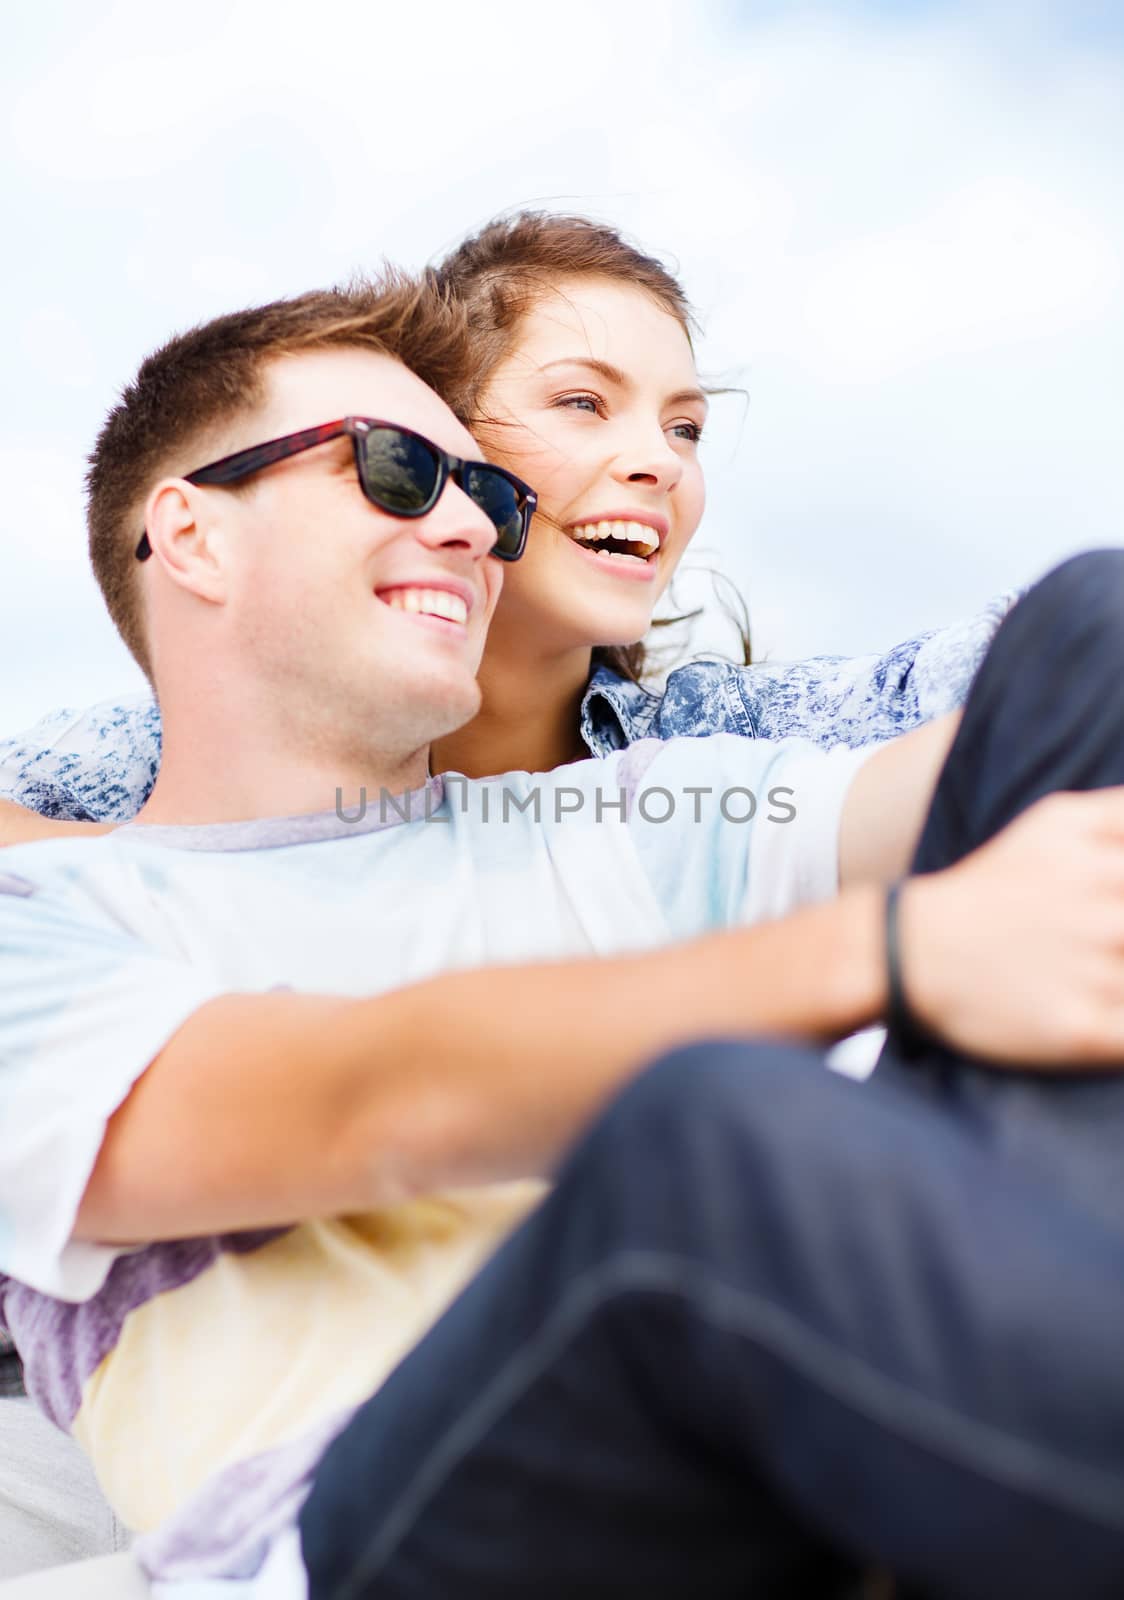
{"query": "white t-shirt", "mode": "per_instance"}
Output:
(110, 944)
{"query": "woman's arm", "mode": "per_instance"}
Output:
(76, 769)
(19, 826)
(888, 802)
(865, 699)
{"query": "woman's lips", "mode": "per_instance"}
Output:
(625, 544)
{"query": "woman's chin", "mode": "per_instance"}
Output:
(622, 625)
(576, 627)
(620, 642)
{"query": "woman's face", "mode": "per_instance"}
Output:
(598, 407)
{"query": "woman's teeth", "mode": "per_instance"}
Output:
(431, 602)
(637, 537)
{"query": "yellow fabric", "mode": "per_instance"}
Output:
(262, 1347)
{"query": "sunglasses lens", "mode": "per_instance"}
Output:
(399, 470)
(500, 500)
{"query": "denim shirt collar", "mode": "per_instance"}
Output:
(615, 712)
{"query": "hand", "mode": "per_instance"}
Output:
(1017, 952)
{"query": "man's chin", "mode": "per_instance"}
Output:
(453, 709)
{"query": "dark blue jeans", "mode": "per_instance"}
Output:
(773, 1328)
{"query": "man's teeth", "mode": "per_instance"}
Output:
(635, 533)
(432, 602)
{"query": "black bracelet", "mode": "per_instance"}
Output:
(908, 1036)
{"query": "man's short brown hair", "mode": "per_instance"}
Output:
(200, 380)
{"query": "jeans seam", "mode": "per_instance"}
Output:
(984, 1449)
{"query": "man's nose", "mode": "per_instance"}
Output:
(457, 522)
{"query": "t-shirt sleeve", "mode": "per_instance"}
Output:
(96, 765)
(733, 831)
(84, 1009)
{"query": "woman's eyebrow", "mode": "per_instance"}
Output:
(604, 369)
(611, 374)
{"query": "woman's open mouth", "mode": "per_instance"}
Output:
(627, 547)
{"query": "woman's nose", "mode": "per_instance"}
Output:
(650, 461)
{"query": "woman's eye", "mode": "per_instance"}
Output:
(690, 431)
(580, 402)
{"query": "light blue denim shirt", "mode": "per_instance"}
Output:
(98, 765)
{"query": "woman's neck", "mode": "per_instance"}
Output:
(529, 720)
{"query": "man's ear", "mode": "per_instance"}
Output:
(185, 539)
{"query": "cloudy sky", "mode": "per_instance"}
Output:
(902, 225)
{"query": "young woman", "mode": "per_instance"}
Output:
(583, 382)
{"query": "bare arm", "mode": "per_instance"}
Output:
(887, 804)
(18, 826)
(266, 1108)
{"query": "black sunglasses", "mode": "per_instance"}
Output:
(399, 471)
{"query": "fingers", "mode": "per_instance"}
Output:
(1101, 810)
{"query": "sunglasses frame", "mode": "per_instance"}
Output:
(233, 468)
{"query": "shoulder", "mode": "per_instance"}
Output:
(714, 759)
(703, 697)
(698, 698)
(57, 879)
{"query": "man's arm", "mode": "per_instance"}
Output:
(19, 826)
(265, 1109)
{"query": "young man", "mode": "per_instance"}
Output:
(253, 1149)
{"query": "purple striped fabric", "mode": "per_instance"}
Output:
(62, 1344)
(226, 1529)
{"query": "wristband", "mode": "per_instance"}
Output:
(909, 1036)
